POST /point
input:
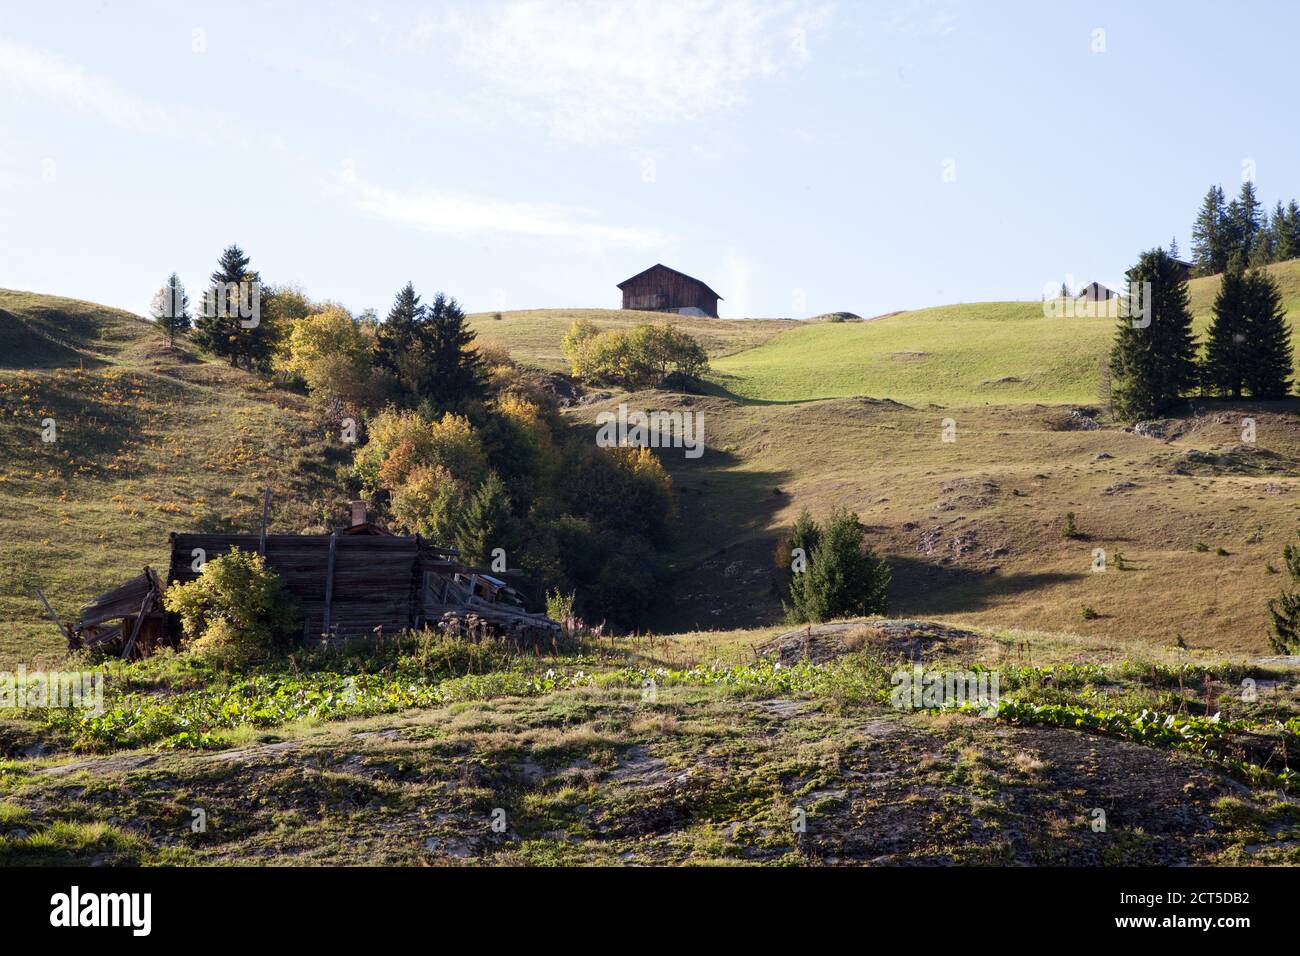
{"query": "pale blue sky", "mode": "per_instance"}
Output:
(789, 153)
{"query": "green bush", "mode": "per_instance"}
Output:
(236, 611)
(641, 357)
(843, 578)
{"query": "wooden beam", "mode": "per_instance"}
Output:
(266, 517)
(54, 617)
(329, 582)
(135, 631)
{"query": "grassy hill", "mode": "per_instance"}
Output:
(980, 353)
(149, 440)
(533, 336)
(973, 529)
(152, 440)
(994, 353)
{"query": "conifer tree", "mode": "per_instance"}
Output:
(1209, 242)
(1223, 369)
(1267, 367)
(402, 344)
(221, 328)
(1288, 233)
(1153, 360)
(843, 578)
(1245, 216)
(455, 375)
(171, 308)
(1285, 608)
(486, 523)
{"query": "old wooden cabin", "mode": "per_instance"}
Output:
(356, 582)
(661, 289)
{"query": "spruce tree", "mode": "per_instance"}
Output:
(1153, 360)
(1223, 369)
(1267, 367)
(219, 328)
(1285, 608)
(804, 535)
(403, 346)
(1288, 239)
(1209, 243)
(843, 579)
(486, 523)
(1245, 215)
(171, 308)
(455, 373)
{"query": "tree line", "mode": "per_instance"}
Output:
(453, 439)
(1155, 360)
(1242, 228)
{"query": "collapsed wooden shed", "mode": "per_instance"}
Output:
(129, 620)
(353, 583)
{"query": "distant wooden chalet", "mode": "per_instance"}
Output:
(1096, 292)
(356, 582)
(1184, 267)
(661, 289)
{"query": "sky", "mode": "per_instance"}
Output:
(799, 156)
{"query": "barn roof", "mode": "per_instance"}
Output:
(660, 265)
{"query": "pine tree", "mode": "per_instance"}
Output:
(1209, 242)
(1267, 369)
(403, 345)
(1223, 370)
(221, 328)
(843, 578)
(1263, 249)
(1285, 608)
(805, 534)
(1288, 239)
(1153, 360)
(1173, 247)
(1245, 215)
(486, 523)
(171, 308)
(455, 373)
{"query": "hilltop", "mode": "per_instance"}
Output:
(994, 353)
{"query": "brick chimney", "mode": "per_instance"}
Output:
(359, 515)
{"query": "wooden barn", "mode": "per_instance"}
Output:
(661, 289)
(353, 583)
(1096, 292)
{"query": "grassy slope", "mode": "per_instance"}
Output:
(972, 529)
(149, 441)
(534, 336)
(957, 354)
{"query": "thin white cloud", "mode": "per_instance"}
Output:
(452, 214)
(923, 16)
(27, 71)
(597, 70)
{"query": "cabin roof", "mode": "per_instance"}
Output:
(660, 265)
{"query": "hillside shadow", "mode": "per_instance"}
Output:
(716, 389)
(923, 588)
(717, 502)
(24, 346)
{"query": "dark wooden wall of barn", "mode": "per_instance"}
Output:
(376, 580)
(660, 289)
